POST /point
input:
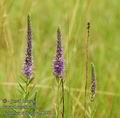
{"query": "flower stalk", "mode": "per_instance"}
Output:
(86, 69)
(58, 69)
(27, 69)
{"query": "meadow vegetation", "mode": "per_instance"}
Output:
(72, 17)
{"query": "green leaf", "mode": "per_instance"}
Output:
(29, 81)
(26, 96)
(24, 79)
(21, 87)
(20, 91)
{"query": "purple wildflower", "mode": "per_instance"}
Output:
(58, 62)
(27, 69)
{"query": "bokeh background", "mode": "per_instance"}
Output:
(72, 17)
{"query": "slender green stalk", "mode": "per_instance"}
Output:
(26, 93)
(60, 98)
(62, 85)
(86, 69)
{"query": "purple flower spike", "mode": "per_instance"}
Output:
(93, 82)
(27, 69)
(58, 62)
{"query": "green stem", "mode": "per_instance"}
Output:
(62, 85)
(86, 69)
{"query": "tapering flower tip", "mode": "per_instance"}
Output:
(58, 61)
(93, 82)
(88, 25)
(27, 68)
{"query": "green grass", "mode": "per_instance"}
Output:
(72, 17)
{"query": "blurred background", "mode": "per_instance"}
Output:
(72, 17)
